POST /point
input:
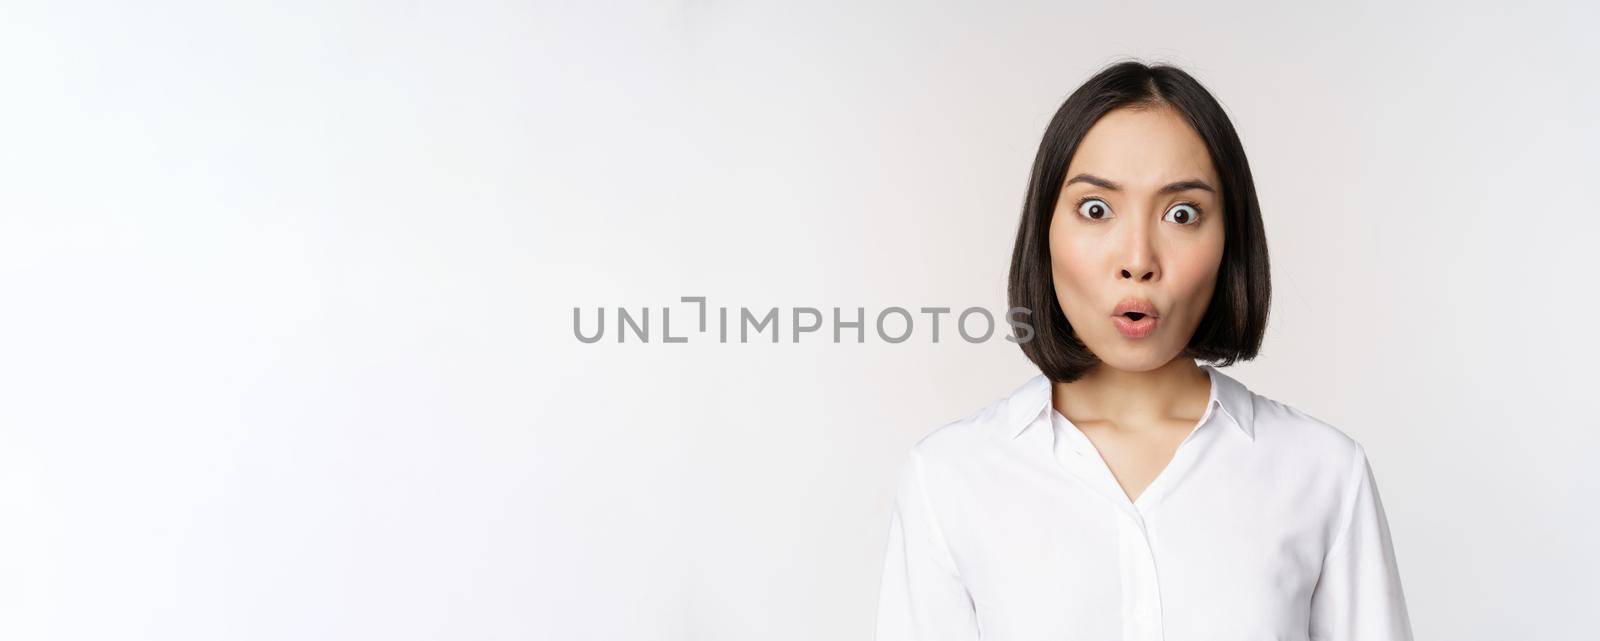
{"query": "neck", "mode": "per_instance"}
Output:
(1180, 388)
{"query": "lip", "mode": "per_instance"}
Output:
(1135, 328)
(1141, 305)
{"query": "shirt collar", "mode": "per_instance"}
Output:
(1030, 400)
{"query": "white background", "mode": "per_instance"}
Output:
(286, 344)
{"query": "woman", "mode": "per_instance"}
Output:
(1127, 491)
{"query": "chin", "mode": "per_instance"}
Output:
(1134, 358)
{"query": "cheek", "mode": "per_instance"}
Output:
(1073, 265)
(1194, 276)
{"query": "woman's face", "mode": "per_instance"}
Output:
(1139, 219)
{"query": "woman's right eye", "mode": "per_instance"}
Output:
(1093, 208)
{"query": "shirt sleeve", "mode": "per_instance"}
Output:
(1358, 595)
(921, 597)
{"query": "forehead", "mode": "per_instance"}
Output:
(1143, 148)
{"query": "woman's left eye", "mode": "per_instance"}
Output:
(1183, 214)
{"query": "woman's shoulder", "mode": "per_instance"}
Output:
(983, 426)
(960, 433)
(1293, 432)
(955, 451)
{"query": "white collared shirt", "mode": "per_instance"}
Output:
(1266, 524)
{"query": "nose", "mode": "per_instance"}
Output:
(1138, 256)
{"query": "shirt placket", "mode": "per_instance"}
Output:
(1141, 586)
(1141, 593)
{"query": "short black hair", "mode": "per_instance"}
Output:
(1236, 319)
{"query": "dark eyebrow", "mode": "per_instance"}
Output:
(1185, 185)
(1182, 185)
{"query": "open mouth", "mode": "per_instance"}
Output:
(1135, 317)
(1135, 324)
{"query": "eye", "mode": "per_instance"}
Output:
(1184, 213)
(1093, 208)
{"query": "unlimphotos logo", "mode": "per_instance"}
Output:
(892, 324)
